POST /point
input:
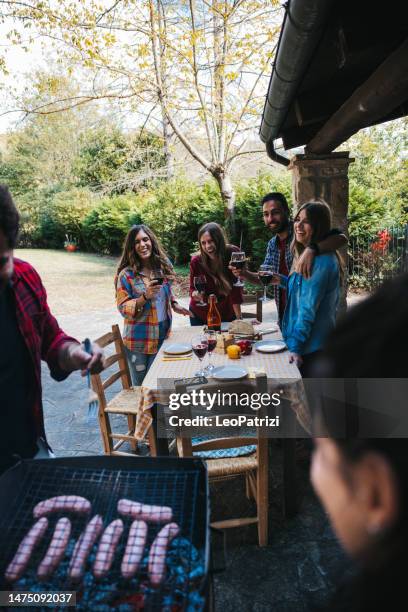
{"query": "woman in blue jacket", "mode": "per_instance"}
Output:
(311, 307)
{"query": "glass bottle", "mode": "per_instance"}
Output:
(213, 317)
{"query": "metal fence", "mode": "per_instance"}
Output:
(377, 257)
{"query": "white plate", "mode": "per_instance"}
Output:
(177, 349)
(229, 372)
(270, 346)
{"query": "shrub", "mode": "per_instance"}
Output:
(176, 209)
(63, 213)
(105, 227)
(30, 206)
(365, 215)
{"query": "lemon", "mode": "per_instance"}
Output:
(233, 351)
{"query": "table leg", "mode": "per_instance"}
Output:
(162, 444)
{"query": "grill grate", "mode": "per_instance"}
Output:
(186, 559)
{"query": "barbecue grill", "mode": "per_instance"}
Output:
(179, 483)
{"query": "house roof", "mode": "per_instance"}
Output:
(341, 65)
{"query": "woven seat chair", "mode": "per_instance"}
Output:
(125, 402)
(254, 467)
(253, 299)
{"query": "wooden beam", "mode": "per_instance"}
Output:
(383, 91)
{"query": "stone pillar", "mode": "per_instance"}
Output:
(324, 177)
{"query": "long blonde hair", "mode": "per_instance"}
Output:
(130, 259)
(318, 214)
(216, 268)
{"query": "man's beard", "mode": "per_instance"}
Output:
(283, 225)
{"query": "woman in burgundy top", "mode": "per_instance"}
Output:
(212, 262)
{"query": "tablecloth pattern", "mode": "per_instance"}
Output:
(275, 365)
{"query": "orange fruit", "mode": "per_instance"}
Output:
(233, 351)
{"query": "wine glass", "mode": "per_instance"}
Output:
(199, 344)
(199, 284)
(211, 336)
(157, 275)
(265, 274)
(238, 261)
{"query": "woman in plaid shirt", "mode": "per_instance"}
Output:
(145, 304)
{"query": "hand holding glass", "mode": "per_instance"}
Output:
(199, 284)
(157, 275)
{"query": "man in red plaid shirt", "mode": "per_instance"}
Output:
(28, 334)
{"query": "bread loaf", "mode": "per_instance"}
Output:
(241, 328)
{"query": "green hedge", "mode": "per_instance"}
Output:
(62, 214)
(174, 210)
(104, 228)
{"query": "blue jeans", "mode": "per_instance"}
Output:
(139, 363)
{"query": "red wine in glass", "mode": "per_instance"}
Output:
(212, 343)
(199, 284)
(238, 260)
(265, 278)
(265, 275)
(200, 350)
(199, 344)
(158, 276)
(211, 336)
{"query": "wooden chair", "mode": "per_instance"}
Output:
(253, 467)
(253, 299)
(125, 403)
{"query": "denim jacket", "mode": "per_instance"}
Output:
(311, 308)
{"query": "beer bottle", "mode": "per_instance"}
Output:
(213, 317)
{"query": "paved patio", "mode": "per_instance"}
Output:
(303, 562)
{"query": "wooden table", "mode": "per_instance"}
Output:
(277, 368)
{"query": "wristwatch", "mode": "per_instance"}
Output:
(315, 248)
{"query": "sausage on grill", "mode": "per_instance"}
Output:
(20, 560)
(107, 547)
(56, 548)
(134, 548)
(158, 551)
(144, 512)
(67, 503)
(83, 547)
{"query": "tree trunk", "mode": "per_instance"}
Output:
(167, 150)
(223, 179)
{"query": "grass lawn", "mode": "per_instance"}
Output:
(75, 282)
(81, 282)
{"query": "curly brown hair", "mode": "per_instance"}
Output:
(130, 259)
(9, 217)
